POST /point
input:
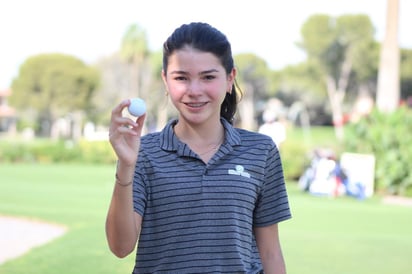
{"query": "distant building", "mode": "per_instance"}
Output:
(7, 113)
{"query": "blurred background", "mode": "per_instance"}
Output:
(330, 81)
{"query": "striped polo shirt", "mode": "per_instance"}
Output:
(197, 217)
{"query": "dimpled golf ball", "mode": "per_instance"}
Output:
(137, 107)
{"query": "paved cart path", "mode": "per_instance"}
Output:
(19, 235)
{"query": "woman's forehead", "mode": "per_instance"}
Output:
(189, 59)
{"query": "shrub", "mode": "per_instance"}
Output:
(389, 138)
(97, 152)
(47, 151)
(294, 159)
(297, 150)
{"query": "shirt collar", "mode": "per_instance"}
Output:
(170, 142)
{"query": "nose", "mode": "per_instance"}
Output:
(195, 87)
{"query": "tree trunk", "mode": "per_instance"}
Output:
(388, 92)
(336, 105)
(134, 83)
(336, 93)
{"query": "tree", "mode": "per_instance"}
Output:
(333, 44)
(252, 74)
(54, 85)
(387, 98)
(300, 83)
(135, 50)
(114, 87)
(406, 75)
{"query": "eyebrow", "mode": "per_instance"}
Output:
(201, 73)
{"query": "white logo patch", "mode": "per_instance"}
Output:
(239, 170)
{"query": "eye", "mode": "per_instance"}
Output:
(180, 78)
(209, 77)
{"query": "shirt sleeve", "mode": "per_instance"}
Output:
(272, 205)
(139, 186)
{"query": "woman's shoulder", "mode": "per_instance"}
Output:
(150, 138)
(238, 134)
(150, 143)
(253, 135)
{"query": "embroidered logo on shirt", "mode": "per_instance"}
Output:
(239, 170)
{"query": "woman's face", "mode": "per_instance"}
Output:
(197, 83)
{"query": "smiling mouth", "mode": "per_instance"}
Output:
(195, 105)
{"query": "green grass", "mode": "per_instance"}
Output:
(74, 195)
(326, 235)
(345, 235)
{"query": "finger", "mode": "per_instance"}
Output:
(125, 130)
(122, 126)
(118, 110)
(140, 119)
(124, 121)
(139, 124)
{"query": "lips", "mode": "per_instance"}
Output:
(195, 105)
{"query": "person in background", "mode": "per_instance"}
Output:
(200, 196)
(273, 127)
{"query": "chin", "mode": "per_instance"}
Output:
(195, 119)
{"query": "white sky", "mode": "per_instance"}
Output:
(90, 30)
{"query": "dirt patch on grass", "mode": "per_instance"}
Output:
(397, 200)
(18, 235)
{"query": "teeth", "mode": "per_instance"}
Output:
(196, 104)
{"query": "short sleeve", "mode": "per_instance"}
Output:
(272, 205)
(139, 187)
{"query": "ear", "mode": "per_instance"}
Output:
(231, 80)
(164, 78)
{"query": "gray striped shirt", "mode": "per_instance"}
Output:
(197, 217)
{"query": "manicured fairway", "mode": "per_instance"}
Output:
(328, 236)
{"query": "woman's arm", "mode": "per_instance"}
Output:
(122, 223)
(267, 240)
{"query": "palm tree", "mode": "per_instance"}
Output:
(134, 50)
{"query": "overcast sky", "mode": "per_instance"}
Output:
(90, 30)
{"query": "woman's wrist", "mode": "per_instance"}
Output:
(121, 182)
(124, 174)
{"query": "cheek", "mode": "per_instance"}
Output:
(176, 93)
(177, 90)
(218, 91)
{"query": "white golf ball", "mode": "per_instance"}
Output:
(137, 107)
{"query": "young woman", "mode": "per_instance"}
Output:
(200, 196)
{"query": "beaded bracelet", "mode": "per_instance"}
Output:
(118, 181)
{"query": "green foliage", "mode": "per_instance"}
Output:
(97, 152)
(55, 82)
(318, 34)
(294, 159)
(53, 85)
(134, 44)
(388, 137)
(47, 151)
(406, 73)
(330, 40)
(299, 83)
(298, 148)
(343, 50)
(252, 71)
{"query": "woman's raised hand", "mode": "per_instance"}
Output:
(124, 134)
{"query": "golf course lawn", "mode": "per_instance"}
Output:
(325, 235)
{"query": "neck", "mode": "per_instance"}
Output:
(200, 136)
